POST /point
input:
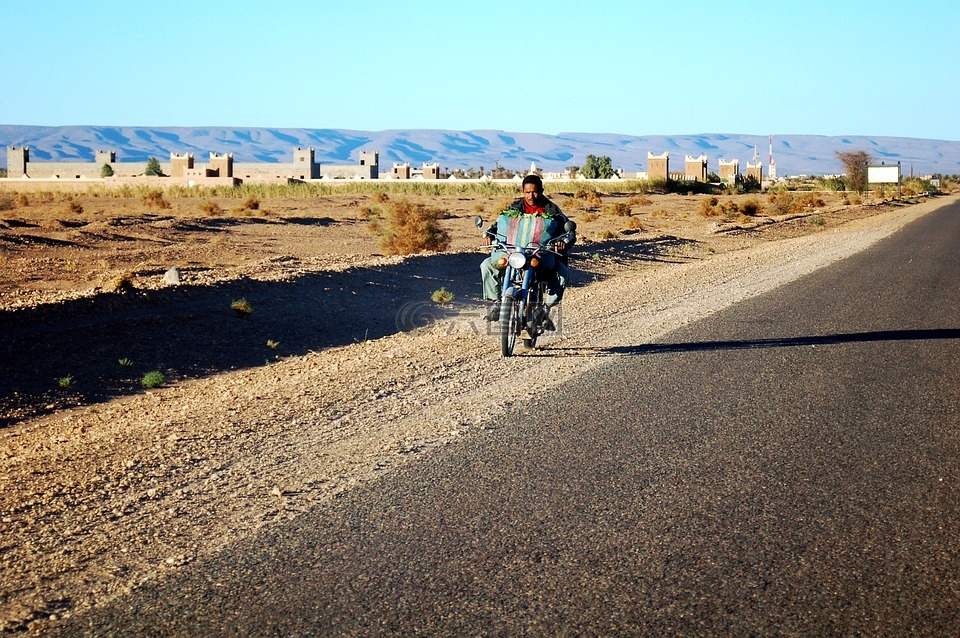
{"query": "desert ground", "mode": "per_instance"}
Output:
(343, 370)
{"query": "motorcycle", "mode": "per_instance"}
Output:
(525, 284)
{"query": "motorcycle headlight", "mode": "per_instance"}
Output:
(517, 260)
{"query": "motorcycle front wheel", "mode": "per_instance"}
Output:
(509, 325)
(533, 329)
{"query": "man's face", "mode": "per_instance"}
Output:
(530, 194)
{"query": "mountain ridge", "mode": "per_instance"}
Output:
(793, 154)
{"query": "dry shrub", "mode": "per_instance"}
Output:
(155, 199)
(607, 234)
(74, 207)
(782, 203)
(634, 223)
(751, 207)
(730, 209)
(22, 200)
(120, 282)
(381, 197)
(210, 208)
(619, 209)
(589, 196)
(7, 202)
(639, 200)
(584, 191)
(588, 217)
(249, 208)
(709, 207)
(366, 212)
(811, 200)
(410, 228)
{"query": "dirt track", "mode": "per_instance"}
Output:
(131, 484)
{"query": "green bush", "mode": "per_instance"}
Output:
(153, 379)
(153, 168)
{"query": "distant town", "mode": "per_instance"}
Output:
(221, 169)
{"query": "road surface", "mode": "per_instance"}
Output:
(787, 466)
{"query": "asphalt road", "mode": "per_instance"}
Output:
(789, 466)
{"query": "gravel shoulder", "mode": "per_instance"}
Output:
(102, 498)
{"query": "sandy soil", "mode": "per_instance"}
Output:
(106, 485)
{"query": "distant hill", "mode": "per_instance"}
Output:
(793, 154)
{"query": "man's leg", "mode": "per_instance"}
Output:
(557, 284)
(491, 276)
(555, 288)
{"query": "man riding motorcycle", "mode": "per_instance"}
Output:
(532, 204)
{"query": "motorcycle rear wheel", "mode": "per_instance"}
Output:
(509, 325)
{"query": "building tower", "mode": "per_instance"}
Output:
(221, 165)
(729, 171)
(755, 169)
(180, 164)
(658, 166)
(695, 168)
(371, 159)
(304, 166)
(771, 166)
(17, 160)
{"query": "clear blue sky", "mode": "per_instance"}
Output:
(839, 67)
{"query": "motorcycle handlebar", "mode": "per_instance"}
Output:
(498, 243)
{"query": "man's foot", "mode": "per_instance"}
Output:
(494, 313)
(545, 320)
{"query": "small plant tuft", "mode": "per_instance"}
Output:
(273, 345)
(241, 307)
(125, 363)
(153, 379)
(67, 382)
(442, 296)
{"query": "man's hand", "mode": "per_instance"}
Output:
(487, 240)
(560, 245)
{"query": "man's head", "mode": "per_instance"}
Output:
(532, 188)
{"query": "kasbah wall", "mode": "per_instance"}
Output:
(222, 170)
(182, 169)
